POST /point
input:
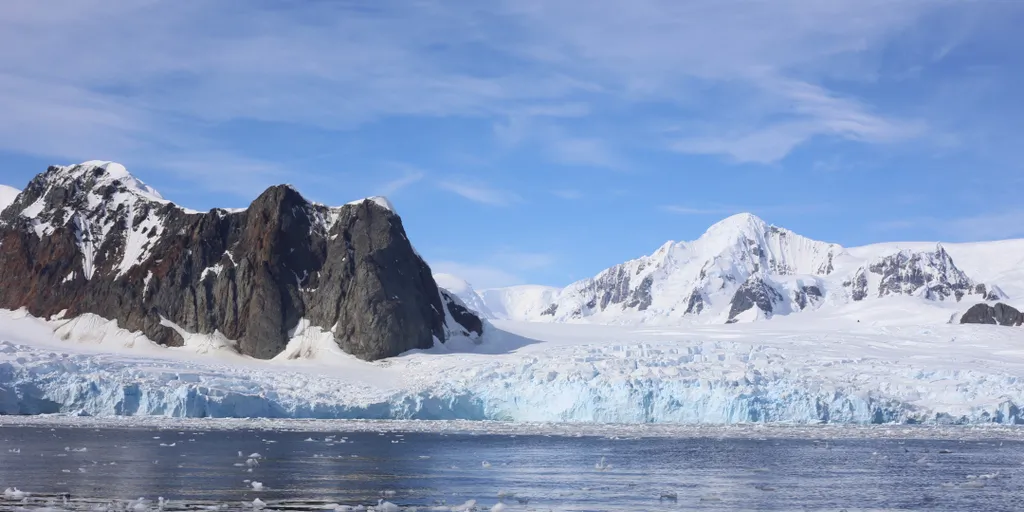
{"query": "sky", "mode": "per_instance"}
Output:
(541, 141)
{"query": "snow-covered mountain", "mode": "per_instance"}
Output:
(7, 196)
(743, 269)
(464, 291)
(91, 239)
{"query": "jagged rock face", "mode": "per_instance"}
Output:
(92, 239)
(858, 285)
(933, 275)
(467, 319)
(807, 295)
(999, 314)
(989, 293)
(905, 273)
(616, 286)
(755, 292)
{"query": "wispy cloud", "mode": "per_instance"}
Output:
(749, 86)
(812, 112)
(998, 225)
(723, 210)
(582, 151)
(411, 176)
(480, 193)
(687, 210)
(988, 226)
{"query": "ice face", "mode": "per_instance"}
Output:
(544, 372)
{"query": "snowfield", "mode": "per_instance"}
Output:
(890, 360)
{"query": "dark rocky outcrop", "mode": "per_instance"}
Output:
(932, 275)
(464, 317)
(614, 286)
(695, 304)
(998, 314)
(754, 292)
(807, 295)
(907, 272)
(93, 239)
(550, 310)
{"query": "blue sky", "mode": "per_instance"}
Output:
(540, 141)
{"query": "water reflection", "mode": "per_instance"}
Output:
(524, 472)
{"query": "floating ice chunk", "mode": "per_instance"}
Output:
(386, 506)
(485, 464)
(252, 463)
(258, 504)
(465, 507)
(257, 486)
(15, 494)
(254, 455)
(499, 507)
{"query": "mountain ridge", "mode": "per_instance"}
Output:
(745, 269)
(93, 239)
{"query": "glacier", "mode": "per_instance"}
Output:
(833, 370)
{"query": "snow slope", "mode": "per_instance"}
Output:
(465, 292)
(870, 364)
(523, 302)
(7, 196)
(743, 269)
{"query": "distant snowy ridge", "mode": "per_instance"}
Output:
(743, 269)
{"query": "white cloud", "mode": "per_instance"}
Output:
(480, 193)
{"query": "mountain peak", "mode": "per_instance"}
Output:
(381, 201)
(741, 223)
(102, 173)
